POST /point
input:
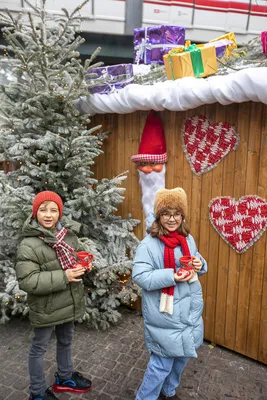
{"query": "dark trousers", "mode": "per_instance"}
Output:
(64, 334)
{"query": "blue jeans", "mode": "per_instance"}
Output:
(64, 334)
(163, 374)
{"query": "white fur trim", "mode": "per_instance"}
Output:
(166, 303)
(182, 94)
(194, 279)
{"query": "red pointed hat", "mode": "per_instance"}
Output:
(152, 147)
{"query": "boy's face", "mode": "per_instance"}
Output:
(48, 214)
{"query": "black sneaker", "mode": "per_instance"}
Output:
(47, 395)
(76, 384)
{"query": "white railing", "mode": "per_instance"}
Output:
(246, 18)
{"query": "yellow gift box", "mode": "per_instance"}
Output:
(178, 63)
(229, 47)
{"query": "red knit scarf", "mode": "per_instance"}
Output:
(172, 240)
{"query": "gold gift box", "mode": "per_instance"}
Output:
(178, 63)
(229, 47)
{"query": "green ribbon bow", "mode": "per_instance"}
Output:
(196, 59)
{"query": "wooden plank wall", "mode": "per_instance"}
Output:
(235, 288)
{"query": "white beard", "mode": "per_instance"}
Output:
(150, 183)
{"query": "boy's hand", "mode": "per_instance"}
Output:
(89, 267)
(74, 273)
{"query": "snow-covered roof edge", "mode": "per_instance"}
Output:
(182, 94)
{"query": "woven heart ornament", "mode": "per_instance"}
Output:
(240, 223)
(205, 144)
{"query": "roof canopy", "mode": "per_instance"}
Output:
(182, 94)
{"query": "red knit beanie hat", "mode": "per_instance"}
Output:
(46, 196)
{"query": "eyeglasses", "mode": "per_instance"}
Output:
(167, 216)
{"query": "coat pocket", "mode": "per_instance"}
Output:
(49, 302)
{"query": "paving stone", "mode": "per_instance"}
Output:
(8, 379)
(112, 376)
(92, 395)
(22, 384)
(122, 368)
(17, 395)
(104, 396)
(4, 391)
(98, 371)
(116, 361)
(4, 362)
(19, 368)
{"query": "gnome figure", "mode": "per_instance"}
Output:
(150, 161)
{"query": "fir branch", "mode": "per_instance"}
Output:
(34, 34)
(10, 16)
(66, 12)
(4, 20)
(31, 6)
(78, 8)
(227, 66)
(65, 25)
(89, 61)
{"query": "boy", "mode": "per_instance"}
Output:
(47, 270)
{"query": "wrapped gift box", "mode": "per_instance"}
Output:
(110, 78)
(264, 42)
(198, 62)
(153, 42)
(228, 36)
(221, 46)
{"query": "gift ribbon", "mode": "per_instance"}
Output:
(110, 80)
(196, 59)
(124, 82)
(171, 53)
(113, 78)
(145, 45)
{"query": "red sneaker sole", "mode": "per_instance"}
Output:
(61, 389)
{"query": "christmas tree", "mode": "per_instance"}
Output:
(52, 147)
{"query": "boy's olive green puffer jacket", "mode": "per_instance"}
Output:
(52, 299)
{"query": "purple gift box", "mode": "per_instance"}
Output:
(110, 78)
(153, 42)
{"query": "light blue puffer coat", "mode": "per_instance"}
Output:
(179, 334)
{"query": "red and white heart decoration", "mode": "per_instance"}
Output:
(239, 222)
(206, 144)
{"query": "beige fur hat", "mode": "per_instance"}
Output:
(170, 198)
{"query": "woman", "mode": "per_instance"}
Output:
(172, 301)
(47, 270)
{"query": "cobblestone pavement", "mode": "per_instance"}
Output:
(116, 360)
